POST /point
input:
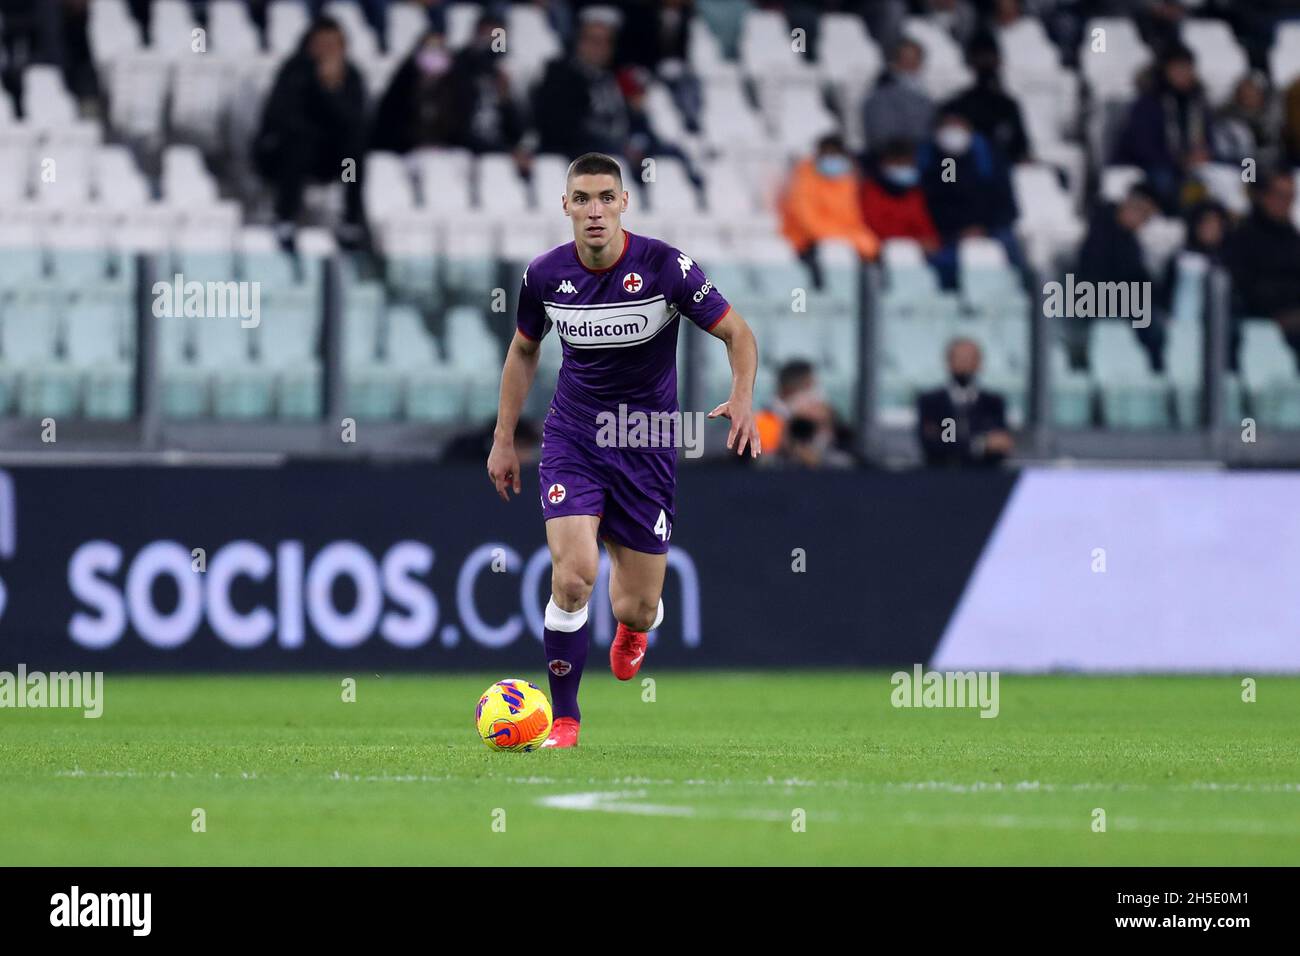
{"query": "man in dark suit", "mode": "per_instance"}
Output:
(960, 425)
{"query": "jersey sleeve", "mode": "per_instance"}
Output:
(530, 317)
(687, 287)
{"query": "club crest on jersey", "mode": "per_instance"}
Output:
(566, 286)
(555, 494)
(632, 282)
(560, 668)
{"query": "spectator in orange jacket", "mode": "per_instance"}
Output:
(821, 202)
(893, 202)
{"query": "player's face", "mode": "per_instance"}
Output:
(596, 206)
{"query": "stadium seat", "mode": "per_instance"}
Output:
(1048, 226)
(1284, 56)
(1131, 394)
(1224, 182)
(988, 283)
(944, 72)
(1071, 398)
(1111, 71)
(230, 29)
(95, 336)
(404, 26)
(47, 104)
(1220, 60)
(1269, 376)
(501, 189)
(671, 191)
(532, 44)
(848, 62)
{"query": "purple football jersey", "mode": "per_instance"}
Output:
(618, 326)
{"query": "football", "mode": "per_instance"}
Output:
(513, 714)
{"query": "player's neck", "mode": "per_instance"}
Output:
(604, 256)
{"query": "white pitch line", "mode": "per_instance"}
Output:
(966, 788)
(629, 801)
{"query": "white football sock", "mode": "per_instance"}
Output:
(558, 619)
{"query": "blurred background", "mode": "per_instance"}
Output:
(383, 170)
(901, 196)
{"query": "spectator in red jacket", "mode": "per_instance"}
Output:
(893, 203)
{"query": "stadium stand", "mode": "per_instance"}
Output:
(151, 176)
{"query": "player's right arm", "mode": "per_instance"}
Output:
(516, 379)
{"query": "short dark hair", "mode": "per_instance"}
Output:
(899, 148)
(322, 24)
(1177, 52)
(1266, 176)
(831, 141)
(791, 372)
(1141, 189)
(595, 164)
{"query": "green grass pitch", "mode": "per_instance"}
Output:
(714, 771)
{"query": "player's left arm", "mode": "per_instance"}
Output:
(742, 352)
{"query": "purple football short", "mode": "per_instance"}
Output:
(631, 490)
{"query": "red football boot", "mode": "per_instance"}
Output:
(627, 652)
(564, 733)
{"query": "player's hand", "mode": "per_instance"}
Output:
(503, 469)
(744, 428)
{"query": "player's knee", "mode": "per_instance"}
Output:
(572, 583)
(635, 612)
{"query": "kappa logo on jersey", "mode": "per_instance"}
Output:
(560, 668)
(685, 262)
(555, 494)
(566, 286)
(632, 282)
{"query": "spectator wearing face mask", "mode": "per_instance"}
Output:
(960, 424)
(417, 109)
(968, 192)
(992, 113)
(821, 202)
(899, 107)
(799, 428)
(893, 203)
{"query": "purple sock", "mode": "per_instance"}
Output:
(565, 638)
